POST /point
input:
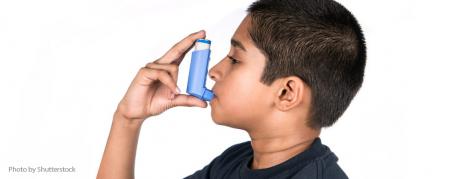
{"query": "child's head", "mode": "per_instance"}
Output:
(291, 62)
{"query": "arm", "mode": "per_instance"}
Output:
(120, 151)
(151, 92)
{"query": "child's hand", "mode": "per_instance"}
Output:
(154, 89)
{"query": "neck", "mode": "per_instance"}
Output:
(272, 150)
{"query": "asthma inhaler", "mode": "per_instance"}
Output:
(198, 71)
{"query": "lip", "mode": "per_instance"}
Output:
(214, 91)
(214, 98)
(215, 94)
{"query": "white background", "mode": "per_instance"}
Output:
(64, 66)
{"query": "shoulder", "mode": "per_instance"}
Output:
(324, 166)
(331, 168)
(229, 158)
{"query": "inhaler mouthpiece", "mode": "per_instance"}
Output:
(198, 71)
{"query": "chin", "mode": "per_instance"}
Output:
(220, 118)
(223, 120)
(215, 117)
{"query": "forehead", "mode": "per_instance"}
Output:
(251, 50)
(241, 34)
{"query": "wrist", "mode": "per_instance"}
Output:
(127, 122)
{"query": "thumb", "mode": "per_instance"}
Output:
(188, 100)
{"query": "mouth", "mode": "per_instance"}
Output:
(214, 92)
(215, 96)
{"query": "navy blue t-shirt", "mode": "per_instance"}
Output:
(317, 162)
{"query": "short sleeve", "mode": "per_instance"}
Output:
(230, 158)
(204, 173)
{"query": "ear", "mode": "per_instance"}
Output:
(290, 93)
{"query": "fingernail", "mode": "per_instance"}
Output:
(172, 96)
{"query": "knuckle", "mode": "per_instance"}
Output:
(149, 64)
(142, 70)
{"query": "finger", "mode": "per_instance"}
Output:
(175, 54)
(159, 75)
(188, 100)
(171, 68)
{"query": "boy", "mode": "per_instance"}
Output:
(294, 65)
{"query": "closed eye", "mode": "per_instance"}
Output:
(233, 60)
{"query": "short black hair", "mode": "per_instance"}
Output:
(320, 42)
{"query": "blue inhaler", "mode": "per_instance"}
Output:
(198, 71)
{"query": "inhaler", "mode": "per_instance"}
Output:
(198, 71)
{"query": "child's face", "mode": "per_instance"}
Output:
(241, 99)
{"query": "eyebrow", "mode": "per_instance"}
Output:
(236, 43)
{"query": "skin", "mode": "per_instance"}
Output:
(275, 119)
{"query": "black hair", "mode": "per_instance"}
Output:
(320, 42)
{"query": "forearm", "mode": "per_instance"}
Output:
(120, 151)
(145, 97)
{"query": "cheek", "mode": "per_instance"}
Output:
(242, 98)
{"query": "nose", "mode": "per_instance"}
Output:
(213, 73)
(218, 71)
